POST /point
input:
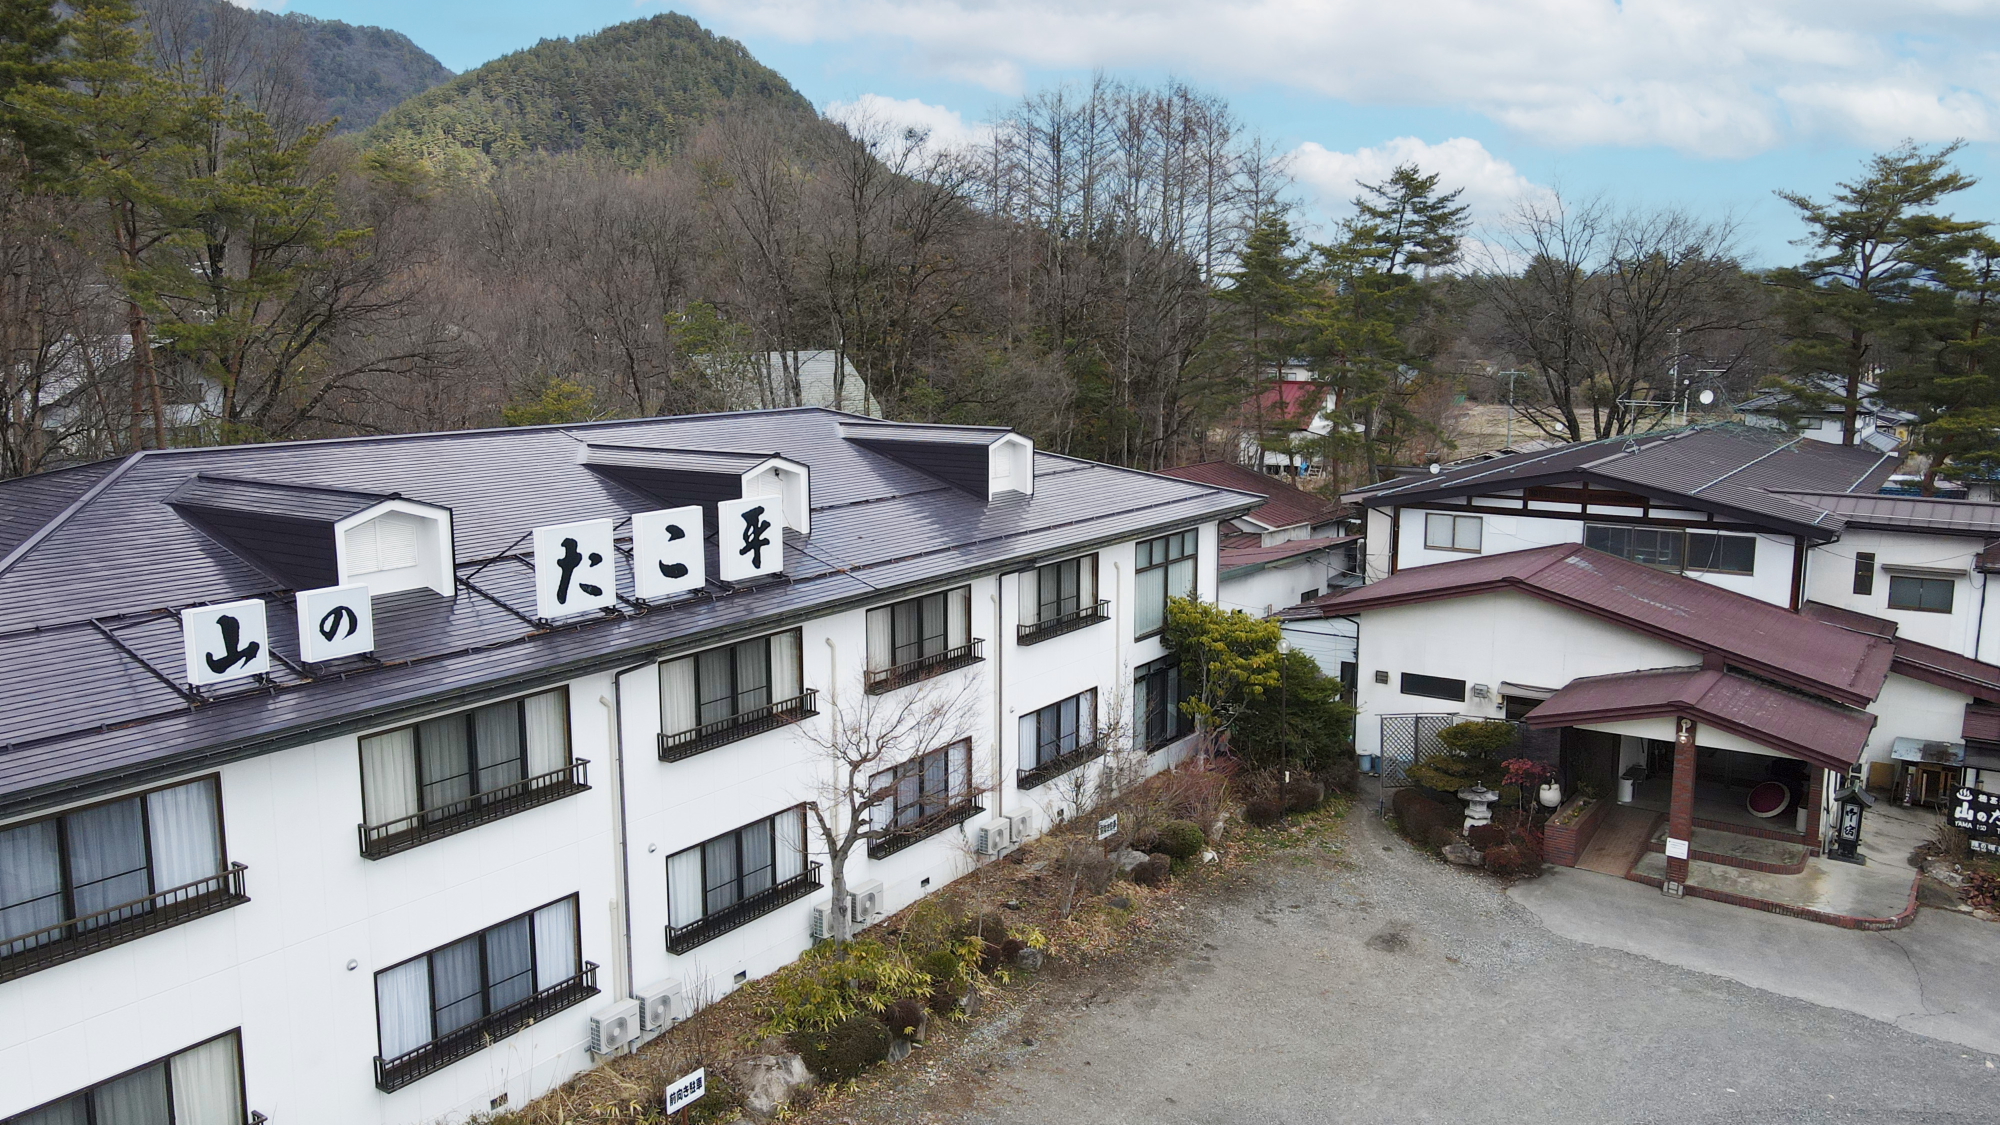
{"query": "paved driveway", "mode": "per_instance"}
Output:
(1398, 990)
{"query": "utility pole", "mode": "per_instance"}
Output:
(1510, 406)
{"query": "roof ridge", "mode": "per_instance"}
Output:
(75, 506)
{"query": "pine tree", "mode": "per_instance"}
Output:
(31, 38)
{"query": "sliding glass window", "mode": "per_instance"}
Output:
(732, 692)
(202, 1085)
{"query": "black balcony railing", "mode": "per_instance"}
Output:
(924, 667)
(721, 732)
(1079, 618)
(1061, 764)
(78, 937)
(680, 939)
(892, 842)
(392, 1074)
(378, 840)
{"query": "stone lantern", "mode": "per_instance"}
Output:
(1478, 806)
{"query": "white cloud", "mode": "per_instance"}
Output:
(1491, 186)
(1712, 77)
(946, 128)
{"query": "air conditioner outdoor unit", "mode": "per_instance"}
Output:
(995, 838)
(660, 1005)
(614, 1027)
(1024, 827)
(865, 903)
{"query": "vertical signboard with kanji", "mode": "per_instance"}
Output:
(749, 537)
(225, 642)
(1977, 814)
(575, 569)
(667, 552)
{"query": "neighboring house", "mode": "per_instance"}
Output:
(1292, 548)
(1741, 589)
(539, 814)
(828, 380)
(1877, 427)
(1292, 415)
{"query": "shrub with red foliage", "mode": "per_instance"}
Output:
(1486, 836)
(1508, 860)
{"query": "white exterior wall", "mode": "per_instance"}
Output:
(1830, 579)
(276, 966)
(1910, 708)
(1279, 586)
(1485, 639)
(1505, 531)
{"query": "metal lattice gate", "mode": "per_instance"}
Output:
(1407, 740)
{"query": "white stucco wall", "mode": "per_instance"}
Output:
(1830, 579)
(1263, 592)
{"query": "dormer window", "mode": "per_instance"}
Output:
(1011, 466)
(396, 545)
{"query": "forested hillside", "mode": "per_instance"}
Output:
(353, 73)
(631, 92)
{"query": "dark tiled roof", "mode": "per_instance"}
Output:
(1907, 513)
(1761, 637)
(77, 711)
(28, 504)
(1824, 733)
(1928, 663)
(1733, 470)
(1284, 505)
(1237, 558)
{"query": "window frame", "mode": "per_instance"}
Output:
(478, 806)
(1682, 537)
(883, 675)
(1083, 749)
(1163, 553)
(957, 805)
(167, 1063)
(1179, 724)
(1864, 574)
(1925, 582)
(1050, 618)
(683, 937)
(149, 914)
(1721, 539)
(1417, 680)
(493, 1024)
(742, 722)
(1457, 522)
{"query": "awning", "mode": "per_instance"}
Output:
(1525, 691)
(1982, 723)
(1927, 750)
(1825, 734)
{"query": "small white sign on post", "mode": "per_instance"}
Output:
(225, 642)
(684, 1092)
(1107, 827)
(749, 537)
(335, 621)
(1676, 849)
(575, 569)
(667, 553)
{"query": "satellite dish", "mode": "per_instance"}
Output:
(1707, 397)
(1434, 468)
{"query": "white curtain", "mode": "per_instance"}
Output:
(389, 776)
(1086, 717)
(1086, 581)
(958, 626)
(1149, 601)
(107, 856)
(69, 1111)
(684, 890)
(548, 731)
(403, 1007)
(961, 771)
(787, 678)
(1028, 591)
(756, 858)
(447, 773)
(496, 740)
(1180, 578)
(207, 1087)
(555, 944)
(30, 881)
(1027, 753)
(679, 710)
(791, 831)
(136, 1099)
(881, 654)
(187, 845)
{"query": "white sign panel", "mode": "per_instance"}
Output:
(1676, 849)
(1107, 827)
(335, 621)
(667, 555)
(576, 569)
(686, 1091)
(749, 537)
(225, 642)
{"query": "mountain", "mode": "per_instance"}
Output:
(355, 73)
(634, 91)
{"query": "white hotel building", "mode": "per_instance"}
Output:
(421, 874)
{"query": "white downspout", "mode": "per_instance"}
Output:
(621, 906)
(999, 701)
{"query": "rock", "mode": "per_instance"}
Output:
(767, 1082)
(970, 1003)
(1128, 858)
(899, 1049)
(1012, 904)
(1118, 902)
(1208, 855)
(1029, 959)
(1027, 1042)
(1465, 855)
(1221, 826)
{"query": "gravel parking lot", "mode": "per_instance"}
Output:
(1385, 987)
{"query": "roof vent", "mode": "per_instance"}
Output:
(985, 461)
(677, 477)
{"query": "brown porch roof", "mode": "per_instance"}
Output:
(1982, 723)
(1824, 734)
(1757, 636)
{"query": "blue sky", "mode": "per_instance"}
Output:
(1707, 104)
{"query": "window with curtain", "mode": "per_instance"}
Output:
(67, 876)
(1058, 597)
(202, 1085)
(1930, 595)
(1157, 695)
(1445, 532)
(731, 692)
(920, 637)
(721, 880)
(443, 775)
(1164, 569)
(1059, 737)
(926, 786)
(442, 1005)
